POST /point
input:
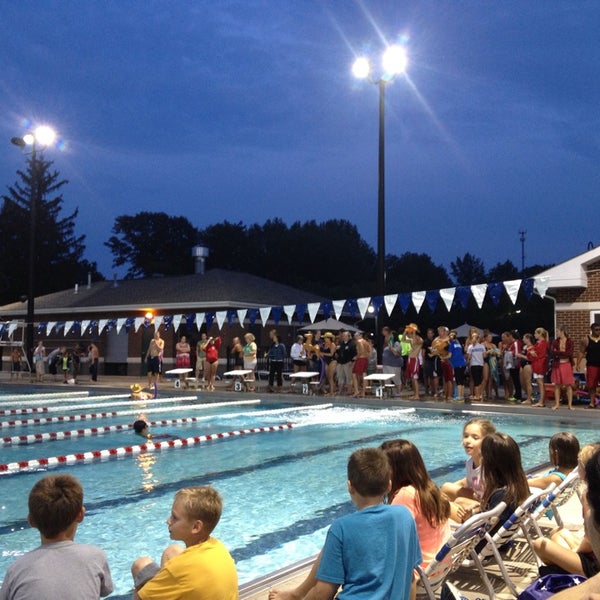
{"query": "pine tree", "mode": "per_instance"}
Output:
(59, 252)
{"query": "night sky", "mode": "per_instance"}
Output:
(248, 110)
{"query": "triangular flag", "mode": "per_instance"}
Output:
(363, 304)
(432, 297)
(158, 320)
(390, 301)
(313, 309)
(512, 289)
(220, 316)
(50, 326)
(417, 299)
(138, 323)
(11, 328)
(241, 314)
(68, 325)
(338, 307)
(478, 292)
(102, 323)
(447, 295)
(541, 285)
(85, 323)
(264, 314)
(120, 322)
(404, 302)
(176, 322)
(289, 310)
(200, 320)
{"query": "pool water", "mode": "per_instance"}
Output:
(281, 489)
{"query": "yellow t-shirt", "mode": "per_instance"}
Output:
(202, 572)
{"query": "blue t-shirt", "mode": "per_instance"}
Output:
(371, 553)
(457, 356)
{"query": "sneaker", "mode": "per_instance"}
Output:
(512, 399)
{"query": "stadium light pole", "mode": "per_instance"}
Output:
(41, 138)
(394, 61)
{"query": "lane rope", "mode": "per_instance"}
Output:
(45, 396)
(53, 436)
(125, 451)
(109, 415)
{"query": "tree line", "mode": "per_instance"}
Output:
(328, 258)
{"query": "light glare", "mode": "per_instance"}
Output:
(45, 135)
(29, 138)
(394, 60)
(361, 68)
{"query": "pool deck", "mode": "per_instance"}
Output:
(520, 563)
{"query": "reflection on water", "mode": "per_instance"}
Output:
(145, 461)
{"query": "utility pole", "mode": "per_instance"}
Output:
(522, 233)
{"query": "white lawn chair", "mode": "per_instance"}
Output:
(558, 496)
(455, 549)
(519, 523)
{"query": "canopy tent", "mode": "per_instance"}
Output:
(463, 330)
(329, 325)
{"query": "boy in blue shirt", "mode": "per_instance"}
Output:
(371, 554)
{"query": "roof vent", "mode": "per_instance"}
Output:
(200, 254)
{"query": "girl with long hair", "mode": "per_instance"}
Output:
(413, 487)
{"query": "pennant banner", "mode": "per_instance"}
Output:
(541, 285)
(363, 305)
(478, 292)
(512, 289)
(338, 307)
(447, 295)
(390, 302)
(417, 299)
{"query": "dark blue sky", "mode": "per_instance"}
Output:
(247, 110)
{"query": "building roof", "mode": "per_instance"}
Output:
(217, 289)
(572, 272)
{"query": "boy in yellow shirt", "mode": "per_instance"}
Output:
(204, 570)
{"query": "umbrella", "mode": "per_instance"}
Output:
(329, 325)
(463, 330)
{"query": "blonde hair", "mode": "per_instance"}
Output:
(249, 337)
(541, 331)
(203, 503)
(586, 452)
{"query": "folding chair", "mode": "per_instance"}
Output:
(518, 523)
(457, 547)
(557, 497)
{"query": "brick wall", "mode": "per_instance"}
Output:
(577, 322)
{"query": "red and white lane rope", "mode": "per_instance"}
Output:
(124, 451)
(36, 438)
(110, 415)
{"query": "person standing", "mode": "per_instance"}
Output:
(459, 365)
(346, 352)
(182, 353)
(391, 358)
(153, 358)
(201, 356)
(590, 350)
(361, 362)
(562, 351)
(94, 355)
(276, 355)
(39, 355)
(413, 369)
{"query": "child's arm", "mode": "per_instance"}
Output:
(322, 591)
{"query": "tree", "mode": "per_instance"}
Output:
(153, 243)
(467, 270)
(59, 252)
(413, 272)
(505, 271)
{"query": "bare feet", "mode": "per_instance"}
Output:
(539, 405)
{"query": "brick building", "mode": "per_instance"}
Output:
(575, 287)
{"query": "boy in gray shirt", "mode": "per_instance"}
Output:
(59, 569)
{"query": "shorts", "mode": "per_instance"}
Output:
(592, 376)
(360, 366)
(459, 375)
(562, 374)
(447, 371)
(431, 368)
(344, 373)
(477, 374)
(145, 575)
(412, 368)
(154, 365)
(395, 371)
(182, 361)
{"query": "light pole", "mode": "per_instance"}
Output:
(42, 137)
(394, 62)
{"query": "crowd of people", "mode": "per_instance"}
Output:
(63, 361)
(482, 366)
(402, 519)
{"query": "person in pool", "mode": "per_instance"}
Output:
(141, 428)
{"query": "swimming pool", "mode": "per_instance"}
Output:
(280, 468)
